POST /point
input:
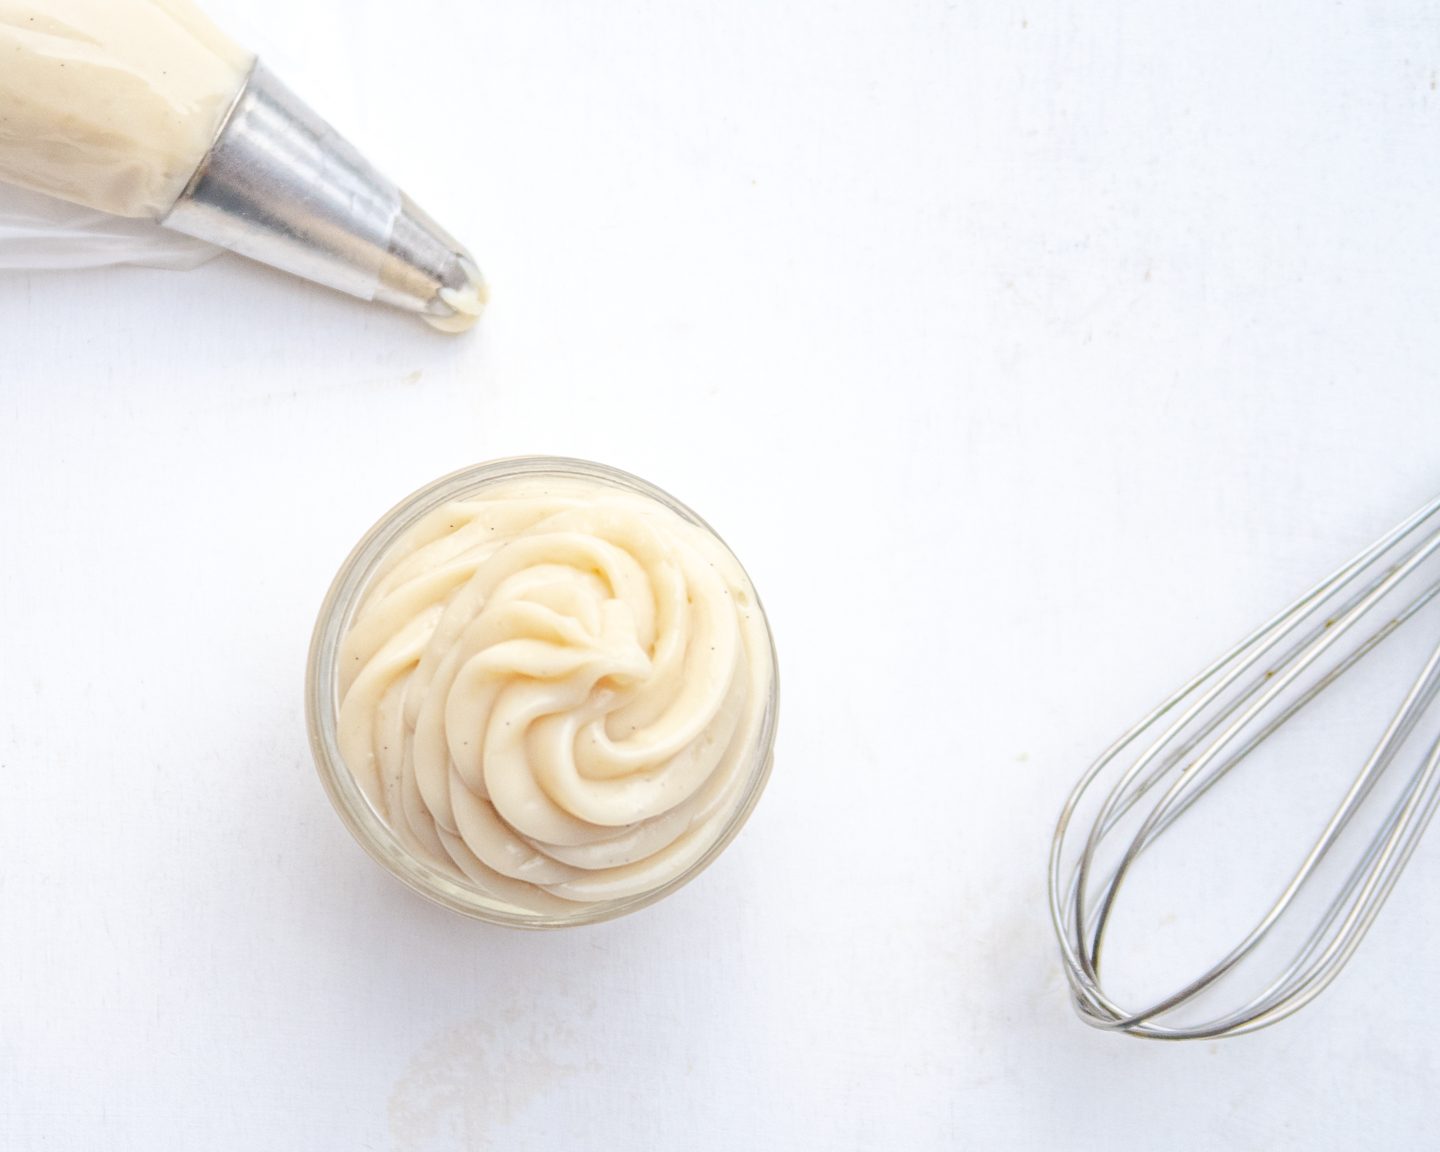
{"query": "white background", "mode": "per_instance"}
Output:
(1025, 353)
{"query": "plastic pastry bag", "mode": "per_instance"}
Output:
(39, 233)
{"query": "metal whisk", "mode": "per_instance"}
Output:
(1158, 770)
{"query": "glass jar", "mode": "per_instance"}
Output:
(510, 699)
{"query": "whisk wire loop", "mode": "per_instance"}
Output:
(1205, 730)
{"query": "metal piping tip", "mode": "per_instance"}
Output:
(281, 186)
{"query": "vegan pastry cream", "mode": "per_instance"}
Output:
(556, 690)
(112, 103)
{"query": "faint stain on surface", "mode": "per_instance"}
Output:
(471, 1080)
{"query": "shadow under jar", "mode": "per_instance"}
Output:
(542, 692)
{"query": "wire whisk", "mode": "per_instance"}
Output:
(1157, 772)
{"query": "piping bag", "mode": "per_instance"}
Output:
(138, 113)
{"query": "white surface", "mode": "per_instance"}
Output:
(1024, 353)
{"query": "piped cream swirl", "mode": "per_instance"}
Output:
(554, 690)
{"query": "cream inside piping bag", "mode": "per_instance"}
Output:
(143, 108)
